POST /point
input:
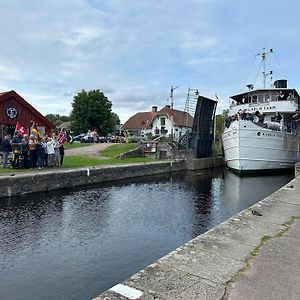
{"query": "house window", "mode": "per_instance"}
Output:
(163, 130)
(162, 121)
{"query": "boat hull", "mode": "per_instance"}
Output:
(249, 148)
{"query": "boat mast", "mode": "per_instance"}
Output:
(263, 56)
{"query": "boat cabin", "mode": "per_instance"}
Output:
(278, 93)
(276, 107)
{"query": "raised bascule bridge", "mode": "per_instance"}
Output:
(201, 137)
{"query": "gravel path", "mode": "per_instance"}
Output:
(90, 150)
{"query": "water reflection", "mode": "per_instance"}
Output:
(75, 244)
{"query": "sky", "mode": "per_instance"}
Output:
(135, 50)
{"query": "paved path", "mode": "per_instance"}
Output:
(274, 273)
(91, 150)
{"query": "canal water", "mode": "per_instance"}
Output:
(76, 244)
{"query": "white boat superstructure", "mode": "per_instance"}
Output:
(261, 129)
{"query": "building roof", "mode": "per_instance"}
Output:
(180, 118)
(139, 120)
(64, 125)
(12, 94)
(144, 119)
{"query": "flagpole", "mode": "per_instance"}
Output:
(16, 127)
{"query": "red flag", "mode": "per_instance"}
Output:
(21, 129)
(62, 137)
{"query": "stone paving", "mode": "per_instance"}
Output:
(253, 255)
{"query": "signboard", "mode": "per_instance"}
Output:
(150, 147)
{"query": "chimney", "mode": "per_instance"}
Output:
(154, 108)
(168, 106)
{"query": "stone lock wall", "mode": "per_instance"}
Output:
(45, 180)
(42, 181)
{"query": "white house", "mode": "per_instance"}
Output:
(166, 122)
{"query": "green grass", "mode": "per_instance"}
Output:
(110, 154)
(116, 149)
(83, 161)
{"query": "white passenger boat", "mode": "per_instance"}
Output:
(261, 128)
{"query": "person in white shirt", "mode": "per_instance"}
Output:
(51, 152)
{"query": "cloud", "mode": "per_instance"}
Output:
(135, 50)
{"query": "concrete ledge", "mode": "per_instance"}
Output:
(205, 163)
(49, 179)
(54, 179)
(297, 169)
(202, 268)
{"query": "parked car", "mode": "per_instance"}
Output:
(88, 139)
(102, 139)
(115, 139)
(79, 137)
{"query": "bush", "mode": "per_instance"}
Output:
(134, 139)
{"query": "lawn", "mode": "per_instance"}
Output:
(82, 161)
(109, 155)
(116, 149)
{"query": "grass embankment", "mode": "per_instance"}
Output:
(109, 157)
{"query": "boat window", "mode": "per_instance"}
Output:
(260, 98)
(254, 99)
(267, 97)
(274, 97)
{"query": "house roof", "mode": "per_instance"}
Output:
(139, 120)
(144, 119)
(6, 95)
(64, 125)
(180, 118)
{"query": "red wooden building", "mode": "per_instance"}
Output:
(13, 109)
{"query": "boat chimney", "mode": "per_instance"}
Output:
(280, 84)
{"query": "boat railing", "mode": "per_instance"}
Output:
(259, 120)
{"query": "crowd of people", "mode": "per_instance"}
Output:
(244, 115)
(259, 119)
(31, 151)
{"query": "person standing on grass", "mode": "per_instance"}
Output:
(51, 152)
(6, 148)
(32, 152)
(44, 145)
(56, 150)
(16, 145)
(62, 153)
(40, 153)
(25, 151)
(95, 136)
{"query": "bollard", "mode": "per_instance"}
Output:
(297, 169)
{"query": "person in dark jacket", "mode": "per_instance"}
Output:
(40, 153)
(62, 153)
(25, 151)
(6, 148)
(16, 146)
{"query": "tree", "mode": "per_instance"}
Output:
(220, 119)
(57, 119)
(92, 110)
